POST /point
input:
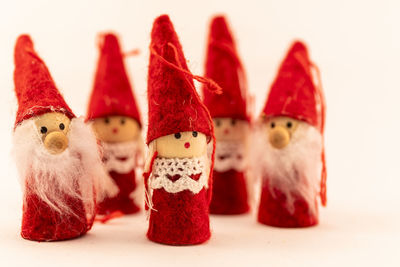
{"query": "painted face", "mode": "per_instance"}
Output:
(280, 130)
(182, 145)
(114, 129)
(53, 127)
(228, 129)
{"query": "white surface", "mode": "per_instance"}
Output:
(355, 44)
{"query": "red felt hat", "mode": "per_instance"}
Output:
(35, 89)
(294, 93)
(224, 67)
(174, 105)
(112, 92)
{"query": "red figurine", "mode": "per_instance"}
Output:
(231, 121)
(177, 171)
(114, 116)
(293, 173)
(56, 155)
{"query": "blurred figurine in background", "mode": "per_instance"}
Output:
(115, 118)
(293, 169)
(177, 170)
(231, 121)
(56, 155)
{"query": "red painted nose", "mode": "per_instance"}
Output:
(115, 130)
(187, 145)
(226, 131)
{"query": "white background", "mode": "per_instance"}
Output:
(357, 47)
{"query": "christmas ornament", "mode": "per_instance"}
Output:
(178, 172)
(293, 172)
(114, 116)
(231, 121)
(56, 155)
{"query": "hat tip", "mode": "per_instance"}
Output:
(162, 19)
(298, 45)
(24, 40)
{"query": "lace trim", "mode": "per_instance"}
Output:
(185, 168)
(229, 156)
(120, 157)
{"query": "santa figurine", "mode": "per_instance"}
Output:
(177, 170)
(115, 118)
(56, 155)
(231, 121)
(293, 168)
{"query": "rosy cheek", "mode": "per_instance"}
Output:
(187, 145)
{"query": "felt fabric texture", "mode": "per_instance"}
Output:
(229, 193)
(174, 105)
(40, 222)
(112, 92)
(34, 87)
(121, 202)
(273, 210)
(223, 65)
(295, 94)
(180, 218)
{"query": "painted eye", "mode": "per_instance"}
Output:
(289, 124)
(194, 134)
(233, 122)
(61, 126)
(107, 120)
(218, 123)
(122, 121)
(43, 130)
(178, 135)
(272, 124)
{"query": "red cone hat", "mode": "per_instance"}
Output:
(224, 67)
(34, 87)
(112, 92)
(293, 93)
(174, 105)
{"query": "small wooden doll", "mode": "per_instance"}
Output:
(293, 172)
(177, 170)
(114, 115)
(55, 152)
(231, 121)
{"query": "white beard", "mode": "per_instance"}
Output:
(295, 169)
(229, 156)
(185, 168)
(113, 152)
(76, 172)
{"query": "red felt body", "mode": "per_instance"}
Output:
(225, 68)
(40, 222)
(229, 193)
(34, 87)
(179, 218)
(112, 92)
(121, 202)
(273, 209)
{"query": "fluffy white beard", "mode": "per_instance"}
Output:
(295, 169)
(76, 172)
